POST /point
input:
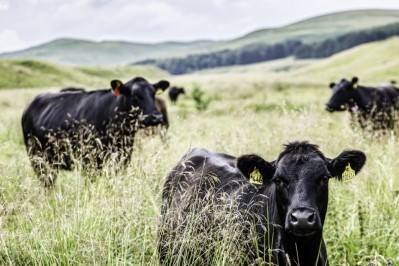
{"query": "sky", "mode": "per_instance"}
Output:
(27, 23)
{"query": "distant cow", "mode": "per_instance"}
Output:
(375, 106)
(93, 125)
(281, 206)
(174, 93)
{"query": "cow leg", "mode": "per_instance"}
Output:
(45, 169)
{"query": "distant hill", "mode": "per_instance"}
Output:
(255, 53)
(377, 61)
(84, 52)
(21, 73)
(373, 63)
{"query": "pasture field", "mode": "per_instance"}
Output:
(113, 220)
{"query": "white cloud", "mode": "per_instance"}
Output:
(219, 3)
(10, 41)
(4, 5)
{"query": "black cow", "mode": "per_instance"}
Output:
(375, 106)
(174, 93)
(281, 206)
(93, 125)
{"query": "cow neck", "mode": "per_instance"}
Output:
(362, 97)
(305, 252)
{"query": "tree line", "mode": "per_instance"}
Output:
(260, 52)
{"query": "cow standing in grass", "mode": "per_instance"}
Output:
(174, 93)
(374, 107)
(92, 126)
(246, 210)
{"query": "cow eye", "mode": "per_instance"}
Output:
(279, 182)
(325, 179)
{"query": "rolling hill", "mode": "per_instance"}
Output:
(374, 63)
(21, 73)
(84, 52)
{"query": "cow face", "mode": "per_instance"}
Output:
(182, 91)
(342, 95)
(300, 178)
(139, 93)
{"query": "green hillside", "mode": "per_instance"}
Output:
(84, 52)
(373, 63)
(37, 74)
(322, 27)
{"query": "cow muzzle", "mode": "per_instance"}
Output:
(328, 108)
(153, 119)
(339, 108)
(303, 222)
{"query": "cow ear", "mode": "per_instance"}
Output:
(347, 165)
(355, 81)
(161, 85)
(116, 86)
(332, 85)
(255, 168)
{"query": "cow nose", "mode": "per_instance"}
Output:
(328, 108)
(155, 118)
(303, 219)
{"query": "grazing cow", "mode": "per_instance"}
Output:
(375, 106)
(93, 125)
(281, 206)
(174, 93)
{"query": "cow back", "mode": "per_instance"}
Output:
(205, 194)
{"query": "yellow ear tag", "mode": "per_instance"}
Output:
(255, 177)
(348, 174)
(355, 85)
(158, 91)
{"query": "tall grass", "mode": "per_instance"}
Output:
(114, 220)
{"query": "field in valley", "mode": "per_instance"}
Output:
(113, 220)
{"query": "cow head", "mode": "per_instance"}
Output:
(139, 93)
(181, 90)
(300, 178)
(342, 95)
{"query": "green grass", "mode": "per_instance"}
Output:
(113, 221)
(108, 53)
(37, 74)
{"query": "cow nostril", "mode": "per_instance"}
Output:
(312, 217)
(294, 218)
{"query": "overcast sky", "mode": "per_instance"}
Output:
(25, 23)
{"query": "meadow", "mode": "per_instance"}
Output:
(113, 219)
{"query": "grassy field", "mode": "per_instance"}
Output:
(113, 220)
